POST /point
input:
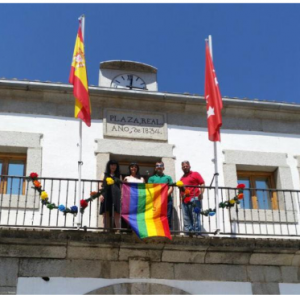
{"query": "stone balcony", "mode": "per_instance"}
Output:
(124, 263)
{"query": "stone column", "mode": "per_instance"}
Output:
(169, 167)
(101, 160)
(34, 160)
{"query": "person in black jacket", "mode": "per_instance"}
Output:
(111, 198)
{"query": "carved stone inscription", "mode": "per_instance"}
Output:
(140, 125)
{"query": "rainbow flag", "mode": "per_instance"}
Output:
(78, 77)
(144, 207)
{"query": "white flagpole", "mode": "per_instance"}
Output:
(80, 163)
(215, 159)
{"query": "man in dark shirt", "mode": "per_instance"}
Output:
(191, 201)
(160, 177)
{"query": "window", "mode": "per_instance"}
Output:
(12, 165)
(259, 196)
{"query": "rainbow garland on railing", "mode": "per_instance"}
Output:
(83, 203)
(227, 204)
(73, 209)
(109, 181)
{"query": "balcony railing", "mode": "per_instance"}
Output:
(20, 206)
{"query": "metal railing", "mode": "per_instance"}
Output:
(274, 213)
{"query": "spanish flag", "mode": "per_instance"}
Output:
(78, 77)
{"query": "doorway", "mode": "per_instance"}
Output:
(146, 165)
(146, 169)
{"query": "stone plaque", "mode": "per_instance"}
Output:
(136, 125)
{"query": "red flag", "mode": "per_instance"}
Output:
(213, 99)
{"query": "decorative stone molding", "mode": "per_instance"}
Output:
(259, 159)
(256, 161)
(118, 123)
(262, 161)
(154, 150)
(134, 148)
(30, 144)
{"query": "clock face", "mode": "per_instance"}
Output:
(128, 81)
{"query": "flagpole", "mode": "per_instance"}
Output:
(215, 160)
(80, 163)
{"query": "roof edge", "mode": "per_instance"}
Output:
(176, 97)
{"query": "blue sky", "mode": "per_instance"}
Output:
(256, 47)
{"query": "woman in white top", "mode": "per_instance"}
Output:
(134, 176)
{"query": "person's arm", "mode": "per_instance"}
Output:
(170, 190)
(202, 184)
(126, 179)
(200, 197)
(150, 180)
(143, 180)
(202, 188)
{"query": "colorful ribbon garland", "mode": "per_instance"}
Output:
(73, 209)
(109, 181)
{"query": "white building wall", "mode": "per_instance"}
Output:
(60, 138)
(60, 156)
(61, 135)
(192, 144)
(87, 285)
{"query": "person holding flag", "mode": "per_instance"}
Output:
(160, 177)
(191, 203)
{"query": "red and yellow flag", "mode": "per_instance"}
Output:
(78, 77)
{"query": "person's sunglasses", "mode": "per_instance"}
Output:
(159, 166)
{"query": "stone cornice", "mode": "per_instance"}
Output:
(153, 95)
(54, 99)
(15, 236)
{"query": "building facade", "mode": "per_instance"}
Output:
(133, 122)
